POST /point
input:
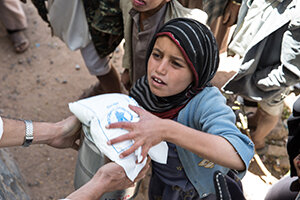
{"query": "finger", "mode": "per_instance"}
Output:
(144, 171)
(129, 151)
(123, 125)
(136, 109)
(131, 185)
(148, 160)
(121, 138)
(144, 153)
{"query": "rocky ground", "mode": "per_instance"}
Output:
(40, 83)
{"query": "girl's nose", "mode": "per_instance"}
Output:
(162, 67)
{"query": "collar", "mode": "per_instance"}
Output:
(151, 21)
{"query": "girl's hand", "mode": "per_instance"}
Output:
(147, 132)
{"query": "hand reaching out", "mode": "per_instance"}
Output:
(147, 132)
(110, 177)
(68, 134)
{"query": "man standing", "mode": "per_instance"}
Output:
(267, 39)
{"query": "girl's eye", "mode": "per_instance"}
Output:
(155, 55)
(176, 64)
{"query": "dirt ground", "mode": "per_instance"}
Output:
(38, 85)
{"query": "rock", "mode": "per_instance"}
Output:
(20, 61)
(277, 151)
(77, 67)
(284, 162)
(4, 77)
(12, 66)
(28, 61)
(278, 133)
(12, 184)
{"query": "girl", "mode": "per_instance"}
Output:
(187, 112)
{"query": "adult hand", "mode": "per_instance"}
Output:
(231, 13)
(147, 132)
(108, 178)
(115, 176)
(125, 79)
(67, 135)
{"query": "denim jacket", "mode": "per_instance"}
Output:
(208, 112)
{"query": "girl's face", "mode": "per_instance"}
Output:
(168, 72)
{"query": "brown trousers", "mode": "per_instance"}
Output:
(12, 15)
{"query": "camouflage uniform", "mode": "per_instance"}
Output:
(105, 23)
(104, 18)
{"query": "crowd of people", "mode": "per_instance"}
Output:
(171, 56)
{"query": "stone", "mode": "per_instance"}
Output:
(278, 133)
(284, 162)
(12, 184)
(277, 151)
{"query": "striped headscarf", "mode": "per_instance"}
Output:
(199, 48)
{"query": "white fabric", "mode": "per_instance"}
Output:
(99, 111)
(68, 21)
(97, 66)
(256, 16)
(1, 128)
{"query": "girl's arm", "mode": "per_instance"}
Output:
(151, 130)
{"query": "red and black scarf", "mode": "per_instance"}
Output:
(199, 48)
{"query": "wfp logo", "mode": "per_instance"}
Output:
(119, 114)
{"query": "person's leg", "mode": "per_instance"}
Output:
(14, 20)
(12, 15)
(109, 81)
(263, 121)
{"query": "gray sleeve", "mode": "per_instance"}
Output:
(288, 72)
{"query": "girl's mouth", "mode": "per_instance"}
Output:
(158, 81)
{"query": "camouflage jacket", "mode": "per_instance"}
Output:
(104, 18)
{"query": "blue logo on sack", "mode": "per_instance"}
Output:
(119, 114)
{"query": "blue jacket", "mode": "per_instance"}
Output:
(208, 112)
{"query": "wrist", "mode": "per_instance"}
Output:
(92, 190)
(44, 132)
(168, 130)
